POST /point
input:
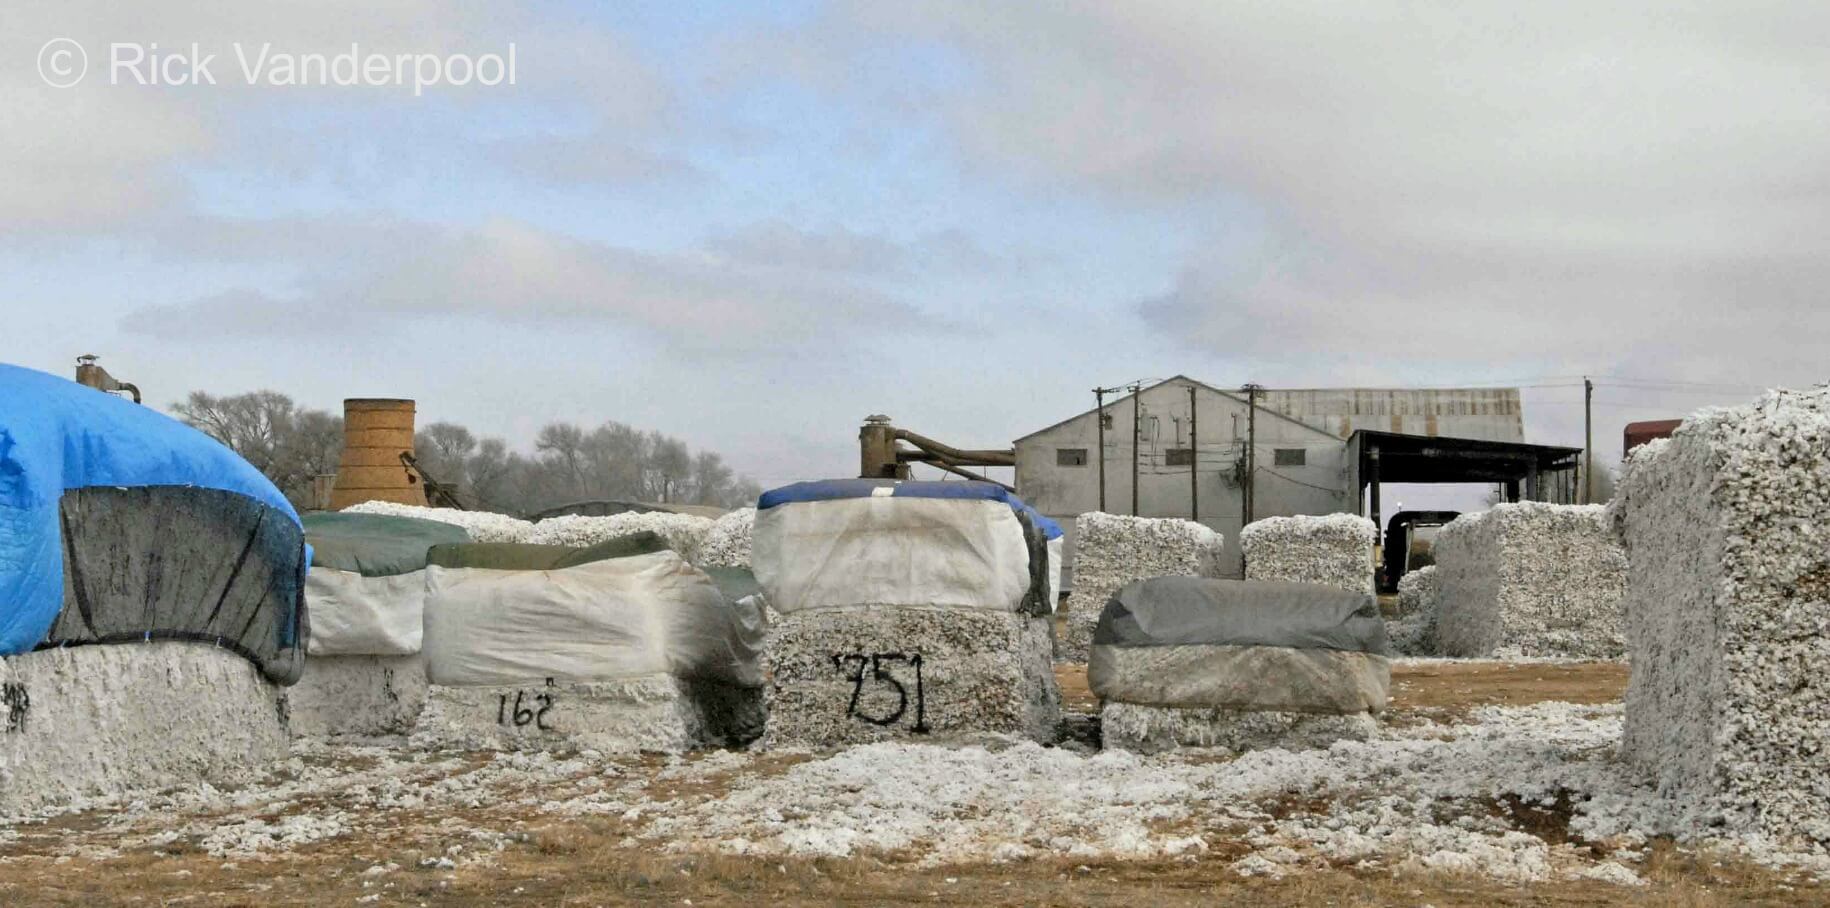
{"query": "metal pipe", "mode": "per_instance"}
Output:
(958, 455)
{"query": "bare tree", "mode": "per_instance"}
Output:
(289, 445)
(614, 461)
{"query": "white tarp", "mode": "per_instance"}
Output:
(891, 550)
(609, 620)
(1055, 559)
(353, 615)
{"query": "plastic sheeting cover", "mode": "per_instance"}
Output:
(1170, 611)
(893, 550)
(616, 619)
(375, 545)
(354, 615)
(833, 489)
(56, 435)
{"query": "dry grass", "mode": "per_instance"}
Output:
(584, 863)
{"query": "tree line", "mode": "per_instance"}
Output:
(293, 445)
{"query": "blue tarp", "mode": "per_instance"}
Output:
(834, 489)
(57, 435)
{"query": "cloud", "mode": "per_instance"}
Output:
(1478, 183)
(838, 250)
(103, 156)
(508, 270)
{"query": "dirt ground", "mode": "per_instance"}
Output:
(591, 861)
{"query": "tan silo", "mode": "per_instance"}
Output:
(376, 432)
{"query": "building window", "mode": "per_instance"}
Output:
(1290, 457)
(1070, 457)
(1179, 457)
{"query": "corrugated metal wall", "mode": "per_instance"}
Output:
(1492, 414)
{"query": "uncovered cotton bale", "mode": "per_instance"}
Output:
(1530, 579)
(89, 721)
(1413, 633)
(483, 526)
(1727, 529)
(1183, 661)
(727, 543)
(1111, 550)
(357, 697)
(909, 609)
(843, 676)
(1334, 550)
(685, 533)
(639, 651)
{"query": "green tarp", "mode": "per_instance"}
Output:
(527, 556)
(375, 545)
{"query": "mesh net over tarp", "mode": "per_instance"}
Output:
(120, 523)
(174, 563)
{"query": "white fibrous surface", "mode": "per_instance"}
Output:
(484, 526)
(107, 719)
(684, 533)
(1111, 550)
(727, 543)
(1727, 525)
(842, 676)
(1333, 550)
(1423, 796)
(1530, 579)
(1414, 631)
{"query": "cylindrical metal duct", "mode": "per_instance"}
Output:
(375, 433)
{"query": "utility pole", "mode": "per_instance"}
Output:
(1251, 452)
(1137, 434)
(1588, 440)
(1099, 418)
(1194, 462)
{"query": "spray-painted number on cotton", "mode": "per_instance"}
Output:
(17, 701)
(525, 710)
(875, 670)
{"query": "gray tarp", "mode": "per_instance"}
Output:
(1172, 611)
(1253, 678)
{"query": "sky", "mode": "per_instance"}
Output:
(752, 228)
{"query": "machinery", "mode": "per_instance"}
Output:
(1407, 544)
(88, 373)
(882, 454)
